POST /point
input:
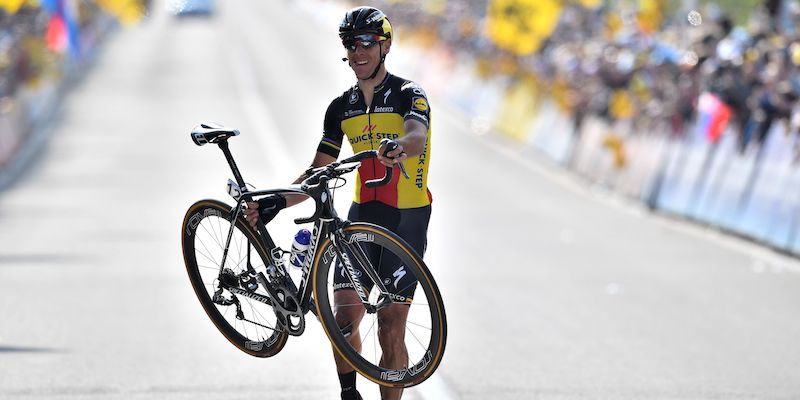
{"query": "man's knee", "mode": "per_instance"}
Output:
(344, 311)
(391, 325)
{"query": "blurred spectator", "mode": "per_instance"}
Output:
(641, 62)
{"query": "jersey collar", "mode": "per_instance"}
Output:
(383, 82)
(381, 85)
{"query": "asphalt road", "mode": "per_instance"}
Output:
(554, 290)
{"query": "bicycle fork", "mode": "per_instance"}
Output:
(351, 246)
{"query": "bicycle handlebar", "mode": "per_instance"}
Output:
(320, 176)
(332, 171)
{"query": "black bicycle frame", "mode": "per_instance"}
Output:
(326, 224)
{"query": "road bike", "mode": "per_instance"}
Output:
(240, 276)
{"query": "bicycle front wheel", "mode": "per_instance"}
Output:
(249, 324)
(365, 337)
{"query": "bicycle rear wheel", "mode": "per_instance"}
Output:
(248, 324)
(425, 330)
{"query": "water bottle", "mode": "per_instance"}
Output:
(300, 247)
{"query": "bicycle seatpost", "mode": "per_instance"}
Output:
(223, 145)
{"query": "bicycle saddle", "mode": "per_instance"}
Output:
(211, 132)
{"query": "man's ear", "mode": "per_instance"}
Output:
(387, 45)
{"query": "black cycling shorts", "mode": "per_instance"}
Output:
(411, 224)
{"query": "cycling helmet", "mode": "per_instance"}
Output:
(365, 20)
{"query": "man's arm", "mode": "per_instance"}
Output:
(410, 145)
(320, 159)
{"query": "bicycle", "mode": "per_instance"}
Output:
(239, 274)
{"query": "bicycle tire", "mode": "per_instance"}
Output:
(427, 301)
(210, 220)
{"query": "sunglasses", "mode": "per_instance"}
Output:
(366, 41)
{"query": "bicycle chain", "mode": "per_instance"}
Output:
(256, 323)
(219, 299)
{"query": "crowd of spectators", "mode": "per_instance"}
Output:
(612, 61)
(35, 41)
(42, 44)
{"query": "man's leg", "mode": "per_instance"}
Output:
(348, 310)
(391, 334)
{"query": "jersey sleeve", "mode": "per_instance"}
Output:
(332, 135)
(414, 103)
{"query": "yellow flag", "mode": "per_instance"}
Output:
(650, 15)
(621, 104)
(11, 6)
(519, 110)
(591, 3)
(127, 11)
(520, 26)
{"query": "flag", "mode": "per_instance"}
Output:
(713, 116)
(11, 6)
(650, 15)
(521, 26)
(63, 34)
(127, 11)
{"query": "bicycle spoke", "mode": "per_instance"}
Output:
(207, 254)
(416, 338)
(221, 236)
(350, 305)
(255, 311)
(254, 317)
(212, 235)
(419, 325)
(374, 341)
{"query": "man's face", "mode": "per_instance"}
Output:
(364, 54)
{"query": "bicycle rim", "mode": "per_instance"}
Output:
(424, 334)
(252, 326)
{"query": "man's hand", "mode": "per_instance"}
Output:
(268, 207)
(394, 156)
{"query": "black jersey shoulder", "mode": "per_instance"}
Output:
(413, 102)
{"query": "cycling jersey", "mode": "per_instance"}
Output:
(395, 101)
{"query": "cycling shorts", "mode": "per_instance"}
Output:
(411, 224)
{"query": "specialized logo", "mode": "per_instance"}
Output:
(254, 296)
(357, 273)
(354, 274)
(419, 103)
(351, 113)
(399, 274)
(386, 96)
(353, 97)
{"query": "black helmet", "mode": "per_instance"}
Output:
(369, 20)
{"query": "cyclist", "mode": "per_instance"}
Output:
(380, 106)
